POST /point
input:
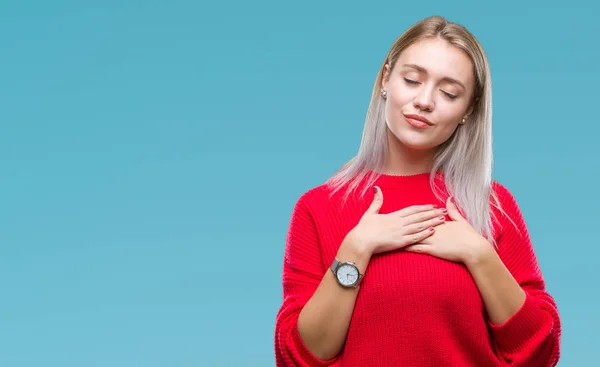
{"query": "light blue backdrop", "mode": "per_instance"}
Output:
(151, 153)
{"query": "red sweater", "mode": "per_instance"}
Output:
(413, 309)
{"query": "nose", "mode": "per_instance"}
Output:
(424, 100)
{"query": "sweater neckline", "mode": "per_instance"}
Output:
(389, 180)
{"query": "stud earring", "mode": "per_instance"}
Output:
(463, 120)
(383, 93)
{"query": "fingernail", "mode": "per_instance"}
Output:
(444, 210)
(430, 229)
(442, 218)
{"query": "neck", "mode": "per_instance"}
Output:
(403, 161)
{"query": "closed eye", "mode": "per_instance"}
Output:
(449, 95)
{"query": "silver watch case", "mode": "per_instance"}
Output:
(346, 273)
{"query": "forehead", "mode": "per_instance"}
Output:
(439, 58)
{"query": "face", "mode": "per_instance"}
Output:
(429, 92)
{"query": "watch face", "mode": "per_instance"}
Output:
(347, 275)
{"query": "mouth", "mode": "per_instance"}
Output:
(418, 121)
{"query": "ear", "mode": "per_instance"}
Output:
(467, 114)
(385, 75)
(470, 111)
(471, 108)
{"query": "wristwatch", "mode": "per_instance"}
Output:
(346, 273)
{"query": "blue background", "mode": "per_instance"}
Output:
(151, 153)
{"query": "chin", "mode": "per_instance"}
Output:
(414, 140)
(418, 145)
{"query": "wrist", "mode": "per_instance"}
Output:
(356, 245)
(481, 254)
(354, 250)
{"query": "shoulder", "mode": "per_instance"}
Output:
(326, 200)
(307, 210)
(505, 208)
(504, 195)
(313, 197)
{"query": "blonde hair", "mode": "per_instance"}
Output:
(465, 158)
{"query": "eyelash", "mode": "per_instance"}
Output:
(413, 82)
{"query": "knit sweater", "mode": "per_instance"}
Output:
(414, 309)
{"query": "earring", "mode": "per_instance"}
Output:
(463, 120)
(383, 93)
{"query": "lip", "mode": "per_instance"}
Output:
(418, 121)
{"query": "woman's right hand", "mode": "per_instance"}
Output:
(376, 233)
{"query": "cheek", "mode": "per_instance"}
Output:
(447, 119)
(449, 115)
(446, 126)
(400, 95)
(396, 103)
(446, 114)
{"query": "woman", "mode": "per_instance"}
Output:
(411, 255)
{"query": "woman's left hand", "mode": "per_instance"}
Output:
(454, 240)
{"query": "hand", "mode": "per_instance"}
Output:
(376, 233)
(455, 240)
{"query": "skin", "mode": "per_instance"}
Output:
(439, 88)
(457, 241)
(433, 79)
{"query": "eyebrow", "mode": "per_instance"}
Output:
(446, 78)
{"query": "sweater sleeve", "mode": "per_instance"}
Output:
(531, 337)
(302, 274)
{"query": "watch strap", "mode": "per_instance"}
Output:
(334, 265)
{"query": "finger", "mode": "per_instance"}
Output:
(415, 209)
(453, 211)
(423, 225)
(377, 201)
(419, 248)
(419, 236)
(424, 216)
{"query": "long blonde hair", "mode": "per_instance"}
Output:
(465, 158)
